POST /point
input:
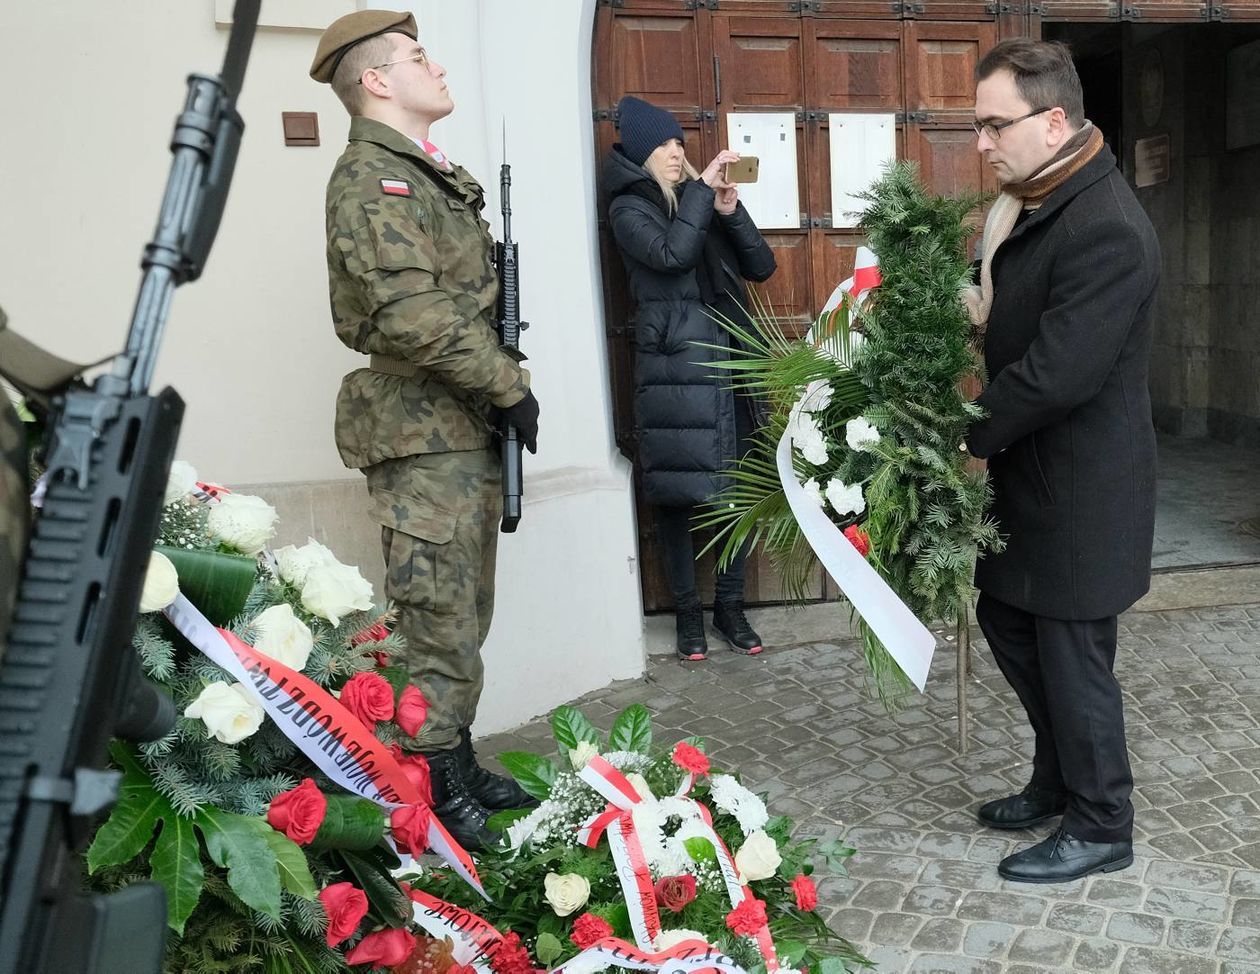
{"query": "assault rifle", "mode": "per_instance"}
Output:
(70, 680)
(510, 326)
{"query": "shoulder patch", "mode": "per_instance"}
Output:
(396, 187)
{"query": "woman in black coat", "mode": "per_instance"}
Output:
(688, 246)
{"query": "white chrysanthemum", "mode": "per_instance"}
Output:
(859, 433)
(243, 521)
(845, 498)
(180, 482)
(669, 939)
(813, 490)
(814, 449)
(666, 854)
(817, 396)
(732, 797)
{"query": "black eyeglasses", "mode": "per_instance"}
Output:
(422, 57)
(994, 129)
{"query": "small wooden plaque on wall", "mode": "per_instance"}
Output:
(1152, 160)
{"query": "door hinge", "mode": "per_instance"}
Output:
(604, 114)
(697, 4)
(703, 115)
(611, 3)
(1131, 13)
(810, 116)
(1006, 8)
(1036, 9)
(916, 118)
(804, 6)
(909, 9)
(1219, 13)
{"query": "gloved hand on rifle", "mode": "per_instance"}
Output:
(524, 416)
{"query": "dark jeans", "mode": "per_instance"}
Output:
(1061, 670)
(674, 540)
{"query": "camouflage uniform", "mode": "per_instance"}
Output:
(413, 285)
(15, 508)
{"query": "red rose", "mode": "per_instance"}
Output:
(372, 634)
(345, 904)
(858, 538)
(369, 697)
(690, 758)
(806, 892)
(384, 948)
(410, 825)
(298, 812)
(747, 918)
(675, 892)
(510, 956)
(589, 929)
(416, 768)
(412, 710)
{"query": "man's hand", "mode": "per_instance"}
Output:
(524, 416)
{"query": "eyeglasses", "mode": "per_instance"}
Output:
(422, 57)
(994, 129)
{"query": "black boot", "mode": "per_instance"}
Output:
(732, 625)
(494, 791)
(462, 815)
(689, 622)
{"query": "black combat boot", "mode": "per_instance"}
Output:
(462, 815)
(494, 791)
(732, 625)
(689, 621)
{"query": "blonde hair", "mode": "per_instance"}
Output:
(670, 189)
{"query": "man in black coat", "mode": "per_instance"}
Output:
(1067, 288)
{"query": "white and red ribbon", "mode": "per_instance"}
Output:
(333, 738)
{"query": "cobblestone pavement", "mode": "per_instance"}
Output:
(923, 894)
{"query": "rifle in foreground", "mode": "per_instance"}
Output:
(70, 680)
(510, 326)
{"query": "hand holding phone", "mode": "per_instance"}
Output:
(742, 171)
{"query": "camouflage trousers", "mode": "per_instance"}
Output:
(439, 516)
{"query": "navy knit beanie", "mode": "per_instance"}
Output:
(643, 127)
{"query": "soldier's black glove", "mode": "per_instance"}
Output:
(524, 416)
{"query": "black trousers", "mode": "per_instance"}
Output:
(1062, 671)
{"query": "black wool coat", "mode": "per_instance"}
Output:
(684, 409)
(1069, 436)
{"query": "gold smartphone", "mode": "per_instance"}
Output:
(743, 171)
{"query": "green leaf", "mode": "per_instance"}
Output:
(350, 823)
(380, 887)
(499, 821)
(619, 919)
(790, 952)
(215, 582)
(239, 844)
(632, 730)
(549, 923)
(570, 727)
(700, 849)
(176, 864)
(534, 773)
(548, 948)
(295, 874)
(832, 965)
(131, 824)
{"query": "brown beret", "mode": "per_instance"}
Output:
(344, 32)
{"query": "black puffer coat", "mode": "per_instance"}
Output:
(678, 269)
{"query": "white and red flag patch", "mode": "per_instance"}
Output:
(395, 187)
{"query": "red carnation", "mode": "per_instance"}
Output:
(675, 892)
(384, 948)
(410, 825)
(806, 892)
(589, 929)
(858, 538)
(747, 918)
(690, 758)
(372, 634)
(345, 904)
(369, 697)
(511, 957)
(298, 812)
(412, 710)
(416, 768)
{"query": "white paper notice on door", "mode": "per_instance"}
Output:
(860, 147)
(773, 201)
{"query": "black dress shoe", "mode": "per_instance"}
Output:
(1030, 806)
(1063, 858)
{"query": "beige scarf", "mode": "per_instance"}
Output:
(1016, 197)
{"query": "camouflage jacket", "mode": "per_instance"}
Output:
(411, 277)
(15, 508)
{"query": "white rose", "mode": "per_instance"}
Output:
(295, 563)
(230, 713)
(243, 521)
(640, 785)
(180, 482)
(283, 636)
(859, 433)
(669, 939)
(758, 857)
(813, 491)
(580, 755)
(845, 498)
(566, 894)
(335, 590)
(161, 583)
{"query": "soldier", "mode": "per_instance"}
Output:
(413, 286)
